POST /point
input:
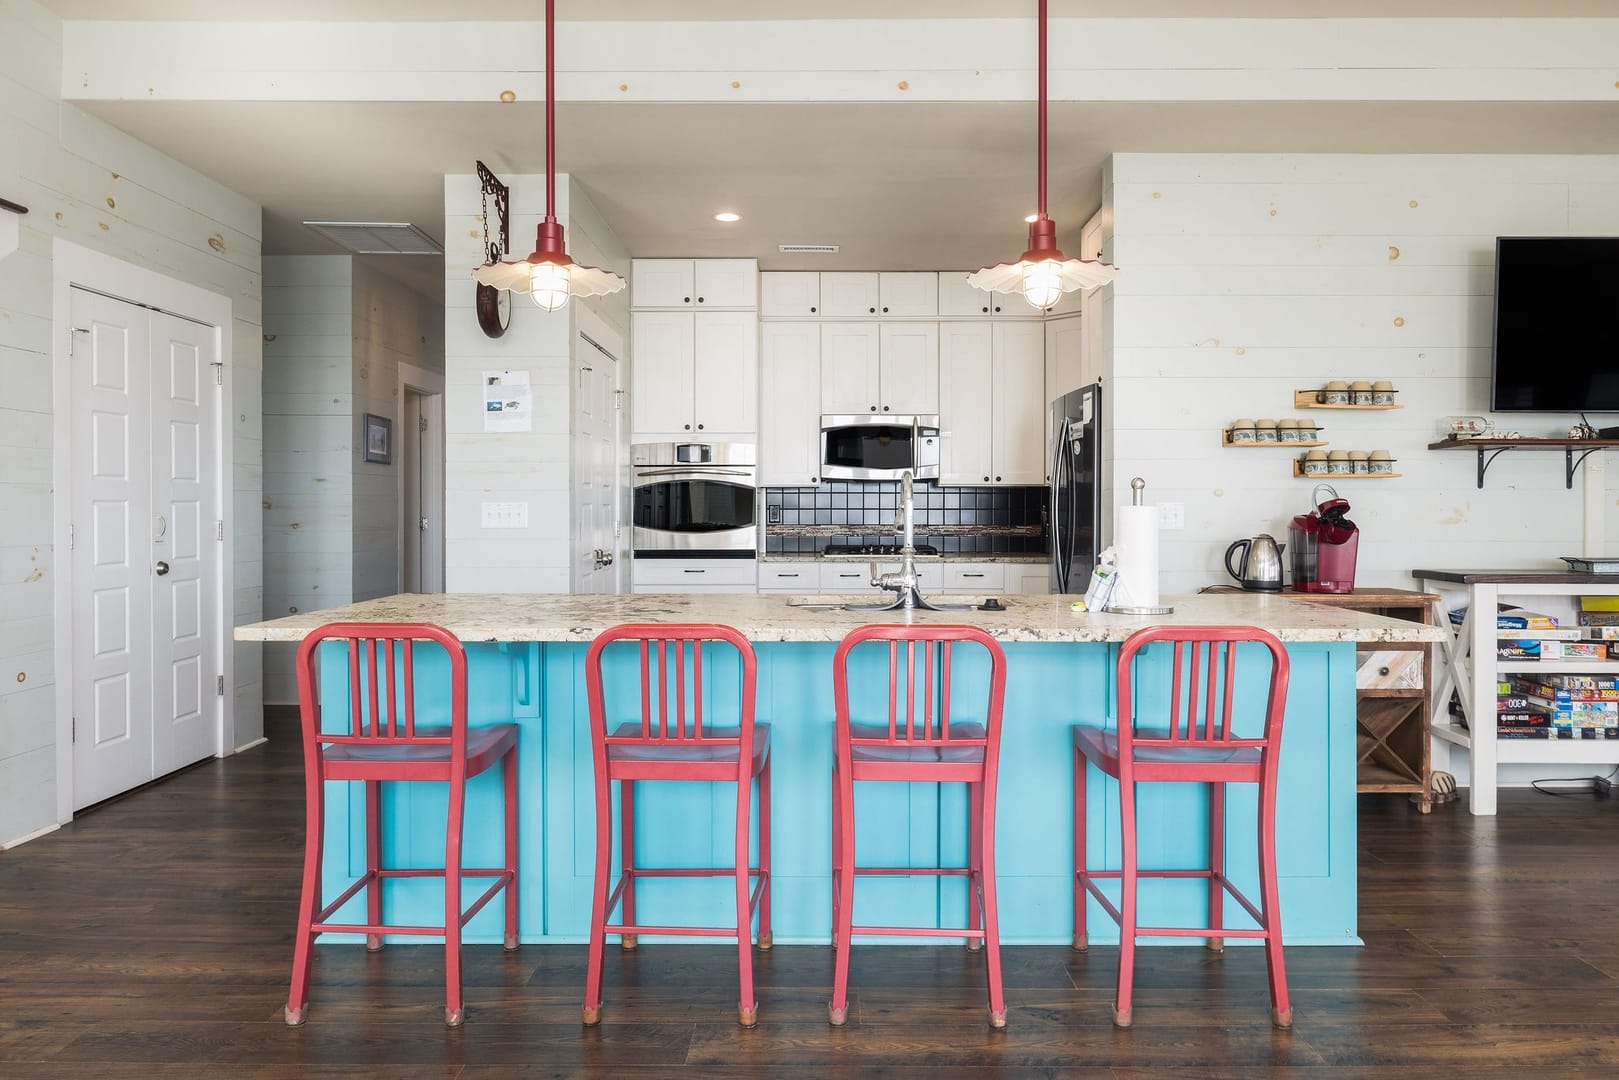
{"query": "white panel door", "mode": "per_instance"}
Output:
(726, 373)
(965, 393)
(595, 464)
(1019, 403)
(791, 294)
(111, 556)
(665, 283)
(908, 294)
(727, 283)
(909, 354)
(662, 381)
(848, 295)
(849, 367)
(185, 483)
(790, 404)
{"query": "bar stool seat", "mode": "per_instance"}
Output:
(1217, 731)
(628, 753)
(931, 755)
(485, 745)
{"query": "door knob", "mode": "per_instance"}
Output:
(162, 568)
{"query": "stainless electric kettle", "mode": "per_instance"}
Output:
(1260, 568)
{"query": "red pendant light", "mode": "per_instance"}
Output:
(549, 275)
(1044, 273)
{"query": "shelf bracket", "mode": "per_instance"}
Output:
(1572, 466)
(1484, 463)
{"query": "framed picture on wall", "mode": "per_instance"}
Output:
(378, 432)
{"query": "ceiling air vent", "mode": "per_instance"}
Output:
(807, 249)
(378, 237)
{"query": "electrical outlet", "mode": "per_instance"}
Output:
(1172, 515)
(772, 515)
(1601, 787)
(505, 515)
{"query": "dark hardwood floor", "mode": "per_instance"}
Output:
(152, 938)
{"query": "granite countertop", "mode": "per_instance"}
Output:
(951, 556)
(564, 617)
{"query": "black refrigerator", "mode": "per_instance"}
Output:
(1076, 487)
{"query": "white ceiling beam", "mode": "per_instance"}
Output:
(1144, 60)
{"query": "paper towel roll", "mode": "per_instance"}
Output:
(1135, 536)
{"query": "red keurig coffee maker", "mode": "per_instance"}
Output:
(1324, 542)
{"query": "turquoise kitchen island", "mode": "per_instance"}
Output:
(526, 662)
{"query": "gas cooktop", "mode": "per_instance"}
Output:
(888, 550)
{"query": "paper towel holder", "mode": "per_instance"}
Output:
(1138, 488)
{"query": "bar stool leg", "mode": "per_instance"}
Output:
(837, 854)
(1082, 941)
(454, 1010)
(1127, 906)
(1281, 1013)
(373, 861)
(843, 874)
(509, 781)
(1216, 865)
(766, 938)
(626, 859)
(975, 860)
(308, 904)
(592, 1012)
(748, 1009)
(992, 924)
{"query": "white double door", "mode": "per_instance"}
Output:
(147, 644)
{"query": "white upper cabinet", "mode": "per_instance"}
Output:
(1065, 356)
(695, 372)
(848, 295)
(663, 283)
(849, 369)
(694, 283)
(1018, 445)
(727, 283)
(965, 411)
(662, 376)
(959, 299)
(792, 294)
(909, 354)
(790, 403)
(908, 294)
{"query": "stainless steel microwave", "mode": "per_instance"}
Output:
(879, 447)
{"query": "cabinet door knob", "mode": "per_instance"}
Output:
(1382, 671)
(812, 311)
(687, 299)
(688, 427)
(986, 479)
(872, 310)
(874, 408)
(700, 427)
(997, 309)
(885, 408)
(885, 311)
(699, 299)
(986, 309)
(997, 479)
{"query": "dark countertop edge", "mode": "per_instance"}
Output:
(1515, 577)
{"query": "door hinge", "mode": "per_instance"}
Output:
(73, 735)
(71, 538)
(72, 340)
(221, 685)
(618, 399)
(219, 372)
(421, 423)
(219, 529)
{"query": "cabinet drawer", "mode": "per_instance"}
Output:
(1389, 669)
(975, 577)
(789, 577)
(727, 572)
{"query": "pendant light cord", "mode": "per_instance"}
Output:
(550, 113)
(1042, 111)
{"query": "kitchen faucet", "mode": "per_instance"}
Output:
(905, 583)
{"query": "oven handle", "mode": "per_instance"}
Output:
(695, 474)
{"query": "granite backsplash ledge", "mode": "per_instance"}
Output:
(956, 520)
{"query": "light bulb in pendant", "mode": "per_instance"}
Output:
(550, 286)
(1042, 283)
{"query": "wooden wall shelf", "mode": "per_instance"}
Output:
(1225, 440)
(1306, 399)
(1332, 478)
(1496, 447)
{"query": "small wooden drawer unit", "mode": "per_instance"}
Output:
(1390, 669)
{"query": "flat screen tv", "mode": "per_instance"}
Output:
(1556, 324)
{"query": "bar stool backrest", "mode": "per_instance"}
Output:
(931, 724)
(673, 720)
(382, 688)
(1203, 693)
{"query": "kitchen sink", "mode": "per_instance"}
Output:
(873, 602)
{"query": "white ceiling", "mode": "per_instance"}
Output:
(727, 10)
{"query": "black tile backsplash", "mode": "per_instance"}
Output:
(1005, 520)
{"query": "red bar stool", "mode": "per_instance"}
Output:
(661, 746)
(925, 748)
(378, 746)
(1196, 743)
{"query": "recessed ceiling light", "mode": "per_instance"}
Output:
(1032, 218)
(727, 216)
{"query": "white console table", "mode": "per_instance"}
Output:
(1469, 665)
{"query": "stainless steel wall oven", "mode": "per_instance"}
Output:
(694, 500)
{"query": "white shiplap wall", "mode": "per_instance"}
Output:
(308, 444)
(84, 181)
(1246, 277)
(528, 467)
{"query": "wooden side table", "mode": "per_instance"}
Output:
(1394, 715)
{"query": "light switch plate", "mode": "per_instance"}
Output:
(1172, 515)
(505, 515)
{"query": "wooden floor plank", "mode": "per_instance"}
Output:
(152, 937)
